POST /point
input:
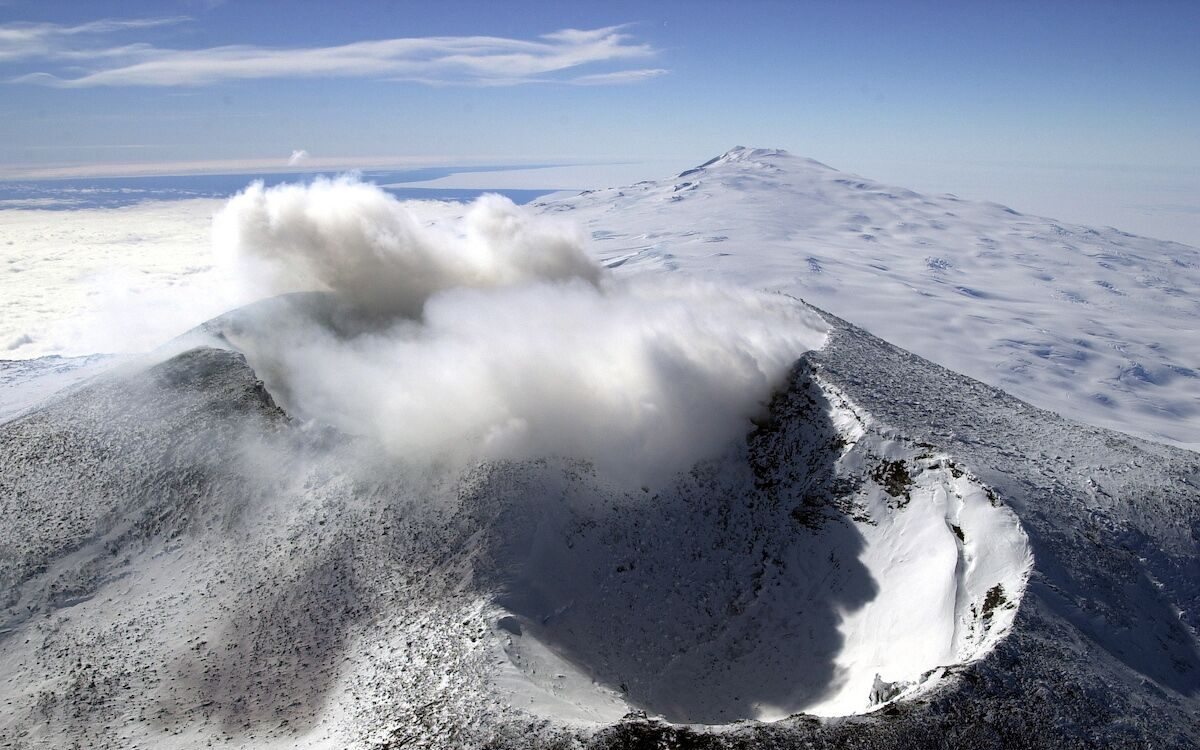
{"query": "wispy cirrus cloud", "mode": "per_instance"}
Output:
(619, 76)
(28, 41)
(560, 56)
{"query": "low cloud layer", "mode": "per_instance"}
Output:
(494, 336)
(107, 280)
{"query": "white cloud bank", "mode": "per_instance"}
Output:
(498, 337)
(473, 60)
(76, 282)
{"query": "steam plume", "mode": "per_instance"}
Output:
(497, 337)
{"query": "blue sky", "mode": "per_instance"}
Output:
(860, 85)
(1063, 83)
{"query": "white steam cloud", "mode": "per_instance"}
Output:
(357, 241)
(494, 336)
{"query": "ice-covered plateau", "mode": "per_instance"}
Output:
(893, 555)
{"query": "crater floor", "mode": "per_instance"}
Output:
(831, 583)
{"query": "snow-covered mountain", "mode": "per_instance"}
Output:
(184, 566)
(476, 492)
(1095, 324)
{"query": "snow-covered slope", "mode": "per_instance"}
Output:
(1095, 324)
(25, 383)
(186, 566)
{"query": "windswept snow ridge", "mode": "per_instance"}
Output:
(1096, 324)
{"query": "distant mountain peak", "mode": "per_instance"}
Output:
(742, 153)
(774, 157)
